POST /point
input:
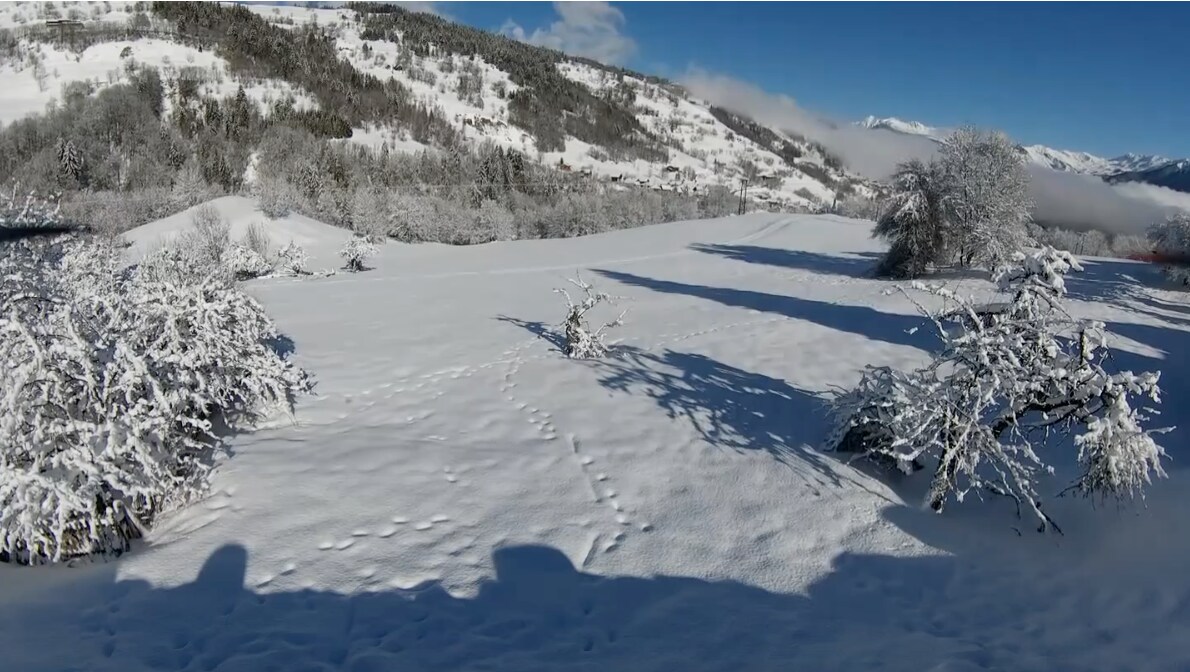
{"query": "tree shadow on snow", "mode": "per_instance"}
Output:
(729, 407)
(854, 264)
(546, 332)
(538, 612)
(860, 320)
(1116, 281)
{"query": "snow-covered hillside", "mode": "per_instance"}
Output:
(35, 77)
(457, 495)
(471, 93)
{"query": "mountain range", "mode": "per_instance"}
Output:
(1146, 168)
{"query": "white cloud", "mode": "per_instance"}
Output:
(591, 29)
(873, 153)
(1163, 195)
(1065, 199)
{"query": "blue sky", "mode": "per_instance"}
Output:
(1105, 78)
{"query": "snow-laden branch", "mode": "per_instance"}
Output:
(1009, 376)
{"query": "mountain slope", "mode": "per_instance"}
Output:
(1172, 175)
(400, 81)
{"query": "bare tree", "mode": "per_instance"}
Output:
(583, 342)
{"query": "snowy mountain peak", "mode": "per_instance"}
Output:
(1040, 155)
(1130, 161)
(900, 126)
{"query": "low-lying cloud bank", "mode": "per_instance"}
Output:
(873, 153)
(1061, 199)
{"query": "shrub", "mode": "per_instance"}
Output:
(244, 263)
(355, 252)
(1010, 377)
(292, 259)
(257, 240)
(582, 342)
(209, 236)
(111, 382)
(1171, 242)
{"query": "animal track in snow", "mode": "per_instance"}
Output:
(607, 495)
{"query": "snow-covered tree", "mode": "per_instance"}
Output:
(493, 222)
(293, 259)
(583, 342)
(277, 197)
(986, 187)
(70, 160)
(1010, 378)
(110, 381)
(1171, 241)
(190, 188)
(355, 252)
(969, 206)
(913, 221)
(370, 213)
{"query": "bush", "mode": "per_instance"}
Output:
(209, 236)
(582, 342)
(112, 382)
(355, 252)
(244, 263)
(1171, 242)
(1010, 377)
(257, 240)
(292, 259)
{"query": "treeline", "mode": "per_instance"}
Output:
(461, 196)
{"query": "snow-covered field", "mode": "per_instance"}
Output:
(456, 495)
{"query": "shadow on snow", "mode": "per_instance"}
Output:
(539, 613)
(854, 264)
(861, 320)
(728, 407)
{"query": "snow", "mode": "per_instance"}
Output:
(321, 241)
(456, 494)
(901, 126)
(102, 64)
